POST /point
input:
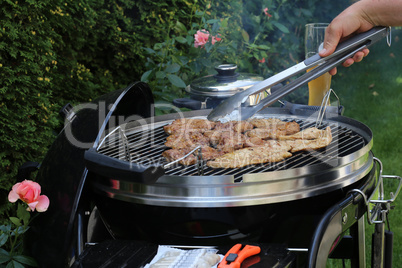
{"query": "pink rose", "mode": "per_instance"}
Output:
(215, 39)
(29, 192)
(201, 38)
(266, 12)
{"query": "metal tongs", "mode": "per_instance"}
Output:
(232, 106)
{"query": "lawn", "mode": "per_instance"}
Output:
(370, 91)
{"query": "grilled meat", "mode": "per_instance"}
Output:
(273, 131)
(175, 154)
(230, 141)
(323, 139)
(186, 140)
(207, 153)
(188, 125)
(238, 126)
(252, 155)
(237, 144)
(225, 140)
(253, 141)
(264, 122)
(242, 126)
(307, 134)
(227, 126)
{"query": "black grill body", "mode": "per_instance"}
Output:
(62, 175)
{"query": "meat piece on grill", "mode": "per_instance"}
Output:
(264, 122)
(323, 140)
(242, 126)
(188, 125)
(238, 126)
(263, 133)
(214, 136)
(207, 153)
(227, 126)
(230, 141)
(226, 141)
(186, 140)
(253, 141)
(175, 154)
(274, 130)
(251, 156)
(306, 134)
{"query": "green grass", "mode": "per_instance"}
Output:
(370, 91)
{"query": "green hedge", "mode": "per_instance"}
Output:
(53, 52)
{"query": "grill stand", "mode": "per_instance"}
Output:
(349, 213)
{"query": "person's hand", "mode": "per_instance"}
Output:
(345, 25)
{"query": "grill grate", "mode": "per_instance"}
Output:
(146, 146)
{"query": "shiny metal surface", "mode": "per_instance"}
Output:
(223, 85)
(308, 174)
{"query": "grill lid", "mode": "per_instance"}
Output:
(346, 160)
(224, 84)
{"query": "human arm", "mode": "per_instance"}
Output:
(360, 17)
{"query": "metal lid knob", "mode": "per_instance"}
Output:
(226, 73)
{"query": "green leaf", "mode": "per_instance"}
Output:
(149, 50)
(26, 260)
(14, 264)
(211, 21)
(307, 13)
(208, 46)
(23, 214)
(172, 68)
(245, 36)
(158, 46)
(215, 27)
(263, 47)
(3, 239)
(144, 77)
(180, 27)
(176, 81)
(4, 256)
(181, 39)
(160, 74)
(5, 228)
(21, 229)
(189, 39)
(280, 26)
(16, 221)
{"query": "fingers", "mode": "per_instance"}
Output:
(331, 40)
(358, 57)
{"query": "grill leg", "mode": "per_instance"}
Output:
(377, 259)
(358, 232)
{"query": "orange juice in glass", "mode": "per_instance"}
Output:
(314, 37)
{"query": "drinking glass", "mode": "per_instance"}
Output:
(314, 38)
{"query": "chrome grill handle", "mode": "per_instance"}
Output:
(125, 145)
(377, 209)
(324, 105)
